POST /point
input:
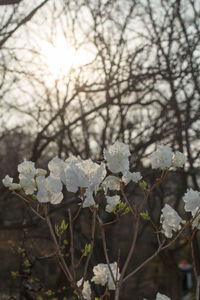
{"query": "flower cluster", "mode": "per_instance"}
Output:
(88, 177)
(164, 158)
(192, 204)
(75, 173)
(86, 289)
(102, 275)
(117, 157)
(170, 220)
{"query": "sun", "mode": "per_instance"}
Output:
(60, 57)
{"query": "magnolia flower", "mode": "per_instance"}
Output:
(192, 200)
(103, 276)
(170, 220)
(112, 183)
(161, 158)
(179, 160)
(128, 176)
(112, 202)
(161, 297)
(117, 157)
(8, 182)
(86, 289)
(49, 189)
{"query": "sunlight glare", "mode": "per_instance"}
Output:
(60, 58)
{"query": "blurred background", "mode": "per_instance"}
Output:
(75, 76)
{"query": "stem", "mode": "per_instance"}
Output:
(144, 263)
(92, 244)
(118, 286)
(105, 248)
(59, 255)
(58, 252)
(160, 248)
(71, 243)
(29, 205)
(132, 209)
(197, 276)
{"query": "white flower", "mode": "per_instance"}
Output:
(86, 289)
(196, 222)
(57, 168)
(103, 276)
(84, 173)
(161, 158)
(192, 200)
(179, 160)
(7, 181)
(27, 168)
(28, 184)
(161, 297)
(49, 189)
(27, 172)
(117, 157)
(170, 220)
(112, 202)
(112, 183)
(128, 176)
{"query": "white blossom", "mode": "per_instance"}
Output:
(86, 289)
(27, 168)
(179, 160)
(128, 176)
(161, 297)
(192, 200)
(27, 172)
(112, 183)
(28, 184)
(117, 157)
(196, 222)
(161, 158)
(7, 181)
(57, 168)
(49, 189)
(170, 220)
(85, 174)
(103, 276)
(112, 202)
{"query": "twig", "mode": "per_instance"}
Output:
(71, 243)
(59, 255)
(105, 248)
(93, 227)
